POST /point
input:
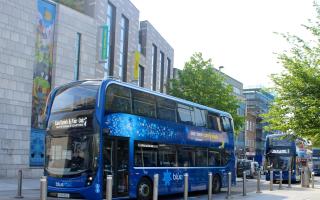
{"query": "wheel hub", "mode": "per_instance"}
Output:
(144, 190)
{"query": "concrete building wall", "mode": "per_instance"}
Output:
(69, 23)
(127, 9)
(17, 43)
(153, 37)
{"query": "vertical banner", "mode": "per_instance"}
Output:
(104, 42)
(136, 65)
(42, 75)
(104, 51)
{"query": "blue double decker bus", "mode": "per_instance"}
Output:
(316, 160)
(99, 128)
(284, 153)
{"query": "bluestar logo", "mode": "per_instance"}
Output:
(167, 178)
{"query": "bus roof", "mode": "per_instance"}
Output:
(132, 86)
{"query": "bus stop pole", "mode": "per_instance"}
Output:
(186, 177)
(289, 178)
(155, 186)
(209, 186)
(109, 188)
(244, 189)
(258, 182)
(229, 186)
(271, 180)
(280, 184)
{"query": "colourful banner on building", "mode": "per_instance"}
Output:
(42, 75)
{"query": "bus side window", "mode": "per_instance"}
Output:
(144, 104)
(201, 157)
(166, 109)
(214, 158)
(214, 122)
(185, 114)
(145, 154)
(199, 118)
(167, 155)
(226, 124)
(118, 99)
(186, 157)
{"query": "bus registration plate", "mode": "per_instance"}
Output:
(63, 195)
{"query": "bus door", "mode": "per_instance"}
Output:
(116, 162)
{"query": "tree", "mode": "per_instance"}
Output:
(296, 108)
(199, 82)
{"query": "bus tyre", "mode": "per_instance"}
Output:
(216, 184)
(144, 189)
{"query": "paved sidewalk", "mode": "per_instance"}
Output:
(30, 189)
(8, 189)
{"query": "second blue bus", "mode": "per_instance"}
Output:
(283, 153)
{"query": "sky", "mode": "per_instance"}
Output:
(236, 34)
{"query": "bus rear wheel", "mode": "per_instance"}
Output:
(216, 184)
(144, 189)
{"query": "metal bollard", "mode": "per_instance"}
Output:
(109, 188)
(244, 186)
(258, 182)
(43, 188)
(302, 178)
(209, 186)
(280, 184)
(186, 181)
(312, 179)
(155, 186)
(19, 190)
(271, 181)
(289, 178)
(229, 186)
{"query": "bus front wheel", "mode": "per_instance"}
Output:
(216, 184)
(144, 189)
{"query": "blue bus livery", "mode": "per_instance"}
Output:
(316, 160)
(284, 153)
(100, 128)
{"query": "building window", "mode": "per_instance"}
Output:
(161, 75)
(123, 55)
(168, 70)
(142, 43)
(141, 76)
(77, 63)
(111, 18)
(154, 67)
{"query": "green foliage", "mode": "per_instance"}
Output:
(199, 82)
(297, 106)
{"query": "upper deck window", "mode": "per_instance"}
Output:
(185, 114)
(144, 104)
(118, 99)
(226, 124)
(78, 97)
